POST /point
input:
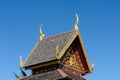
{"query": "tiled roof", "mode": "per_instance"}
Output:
(53, 75)
(74, 77)
(45, 49)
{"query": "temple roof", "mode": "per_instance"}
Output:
(53, 75)
(45, 49)
(47, 59)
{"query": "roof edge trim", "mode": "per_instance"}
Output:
(84, 51)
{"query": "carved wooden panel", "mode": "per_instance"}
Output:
(72, 58)
(72, 61)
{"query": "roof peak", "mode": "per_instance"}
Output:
(75, 28)
(58, 35)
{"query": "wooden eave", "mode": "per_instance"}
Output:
(41, 65)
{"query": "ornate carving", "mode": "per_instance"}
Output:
(41, 33)
(76, 23)
(72, 58)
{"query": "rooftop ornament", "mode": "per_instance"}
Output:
(21, 61)
(57, 52)
(41, 33)
(76, 23)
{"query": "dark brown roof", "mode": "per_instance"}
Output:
(74, 77)
(53, 75)
(45, 49)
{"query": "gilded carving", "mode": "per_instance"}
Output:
(76, 23)
(72, 58)
(41, 33)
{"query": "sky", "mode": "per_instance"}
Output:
(99, 26)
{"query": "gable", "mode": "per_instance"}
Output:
(75, 58)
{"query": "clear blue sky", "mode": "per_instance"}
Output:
(99, 26)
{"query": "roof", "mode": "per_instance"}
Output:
(58, 74)
(45, 49)
(52, 75)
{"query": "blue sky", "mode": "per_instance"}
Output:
(99, 26)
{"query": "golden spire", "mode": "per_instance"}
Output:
(41, 33)
(21, 61)
(76, 23)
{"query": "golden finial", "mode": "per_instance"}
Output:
(41, 33)
(92, 67)
(21, 61)
(57, 52)
(76, 23)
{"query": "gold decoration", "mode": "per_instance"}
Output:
(57, 52)
(72, 59)
(21, 61)
(73, 62)
(41, 33)
(76, 23)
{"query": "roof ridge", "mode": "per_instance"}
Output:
(58, 35)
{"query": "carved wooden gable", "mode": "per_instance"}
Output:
(73, 59)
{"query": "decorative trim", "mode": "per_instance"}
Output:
(84, 52)
(57, 52)
(21, 62)
(76, 23)
(41, 33)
